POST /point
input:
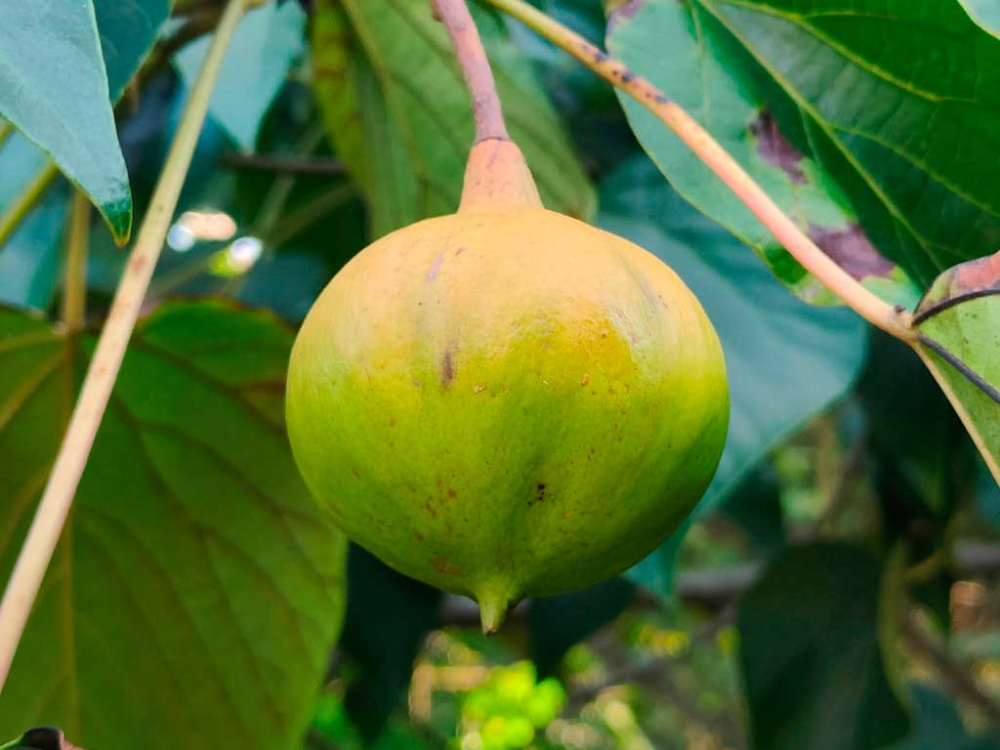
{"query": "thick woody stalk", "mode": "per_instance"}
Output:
(57, 499)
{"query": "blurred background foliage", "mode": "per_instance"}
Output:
(837, 587)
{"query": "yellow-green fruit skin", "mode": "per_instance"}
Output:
(507, 403)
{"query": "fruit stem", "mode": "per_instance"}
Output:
(892, 320)
(54, 507)
(486, 109)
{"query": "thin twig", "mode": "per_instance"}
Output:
(58, 496)
(26, 201)
(486, 109)
(285, 165)
(74, 297)
(869, 306)
(956, 675)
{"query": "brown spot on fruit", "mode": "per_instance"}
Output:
(443, 566)
(452, 493)
(418, 536)
(539, 494)
(776, 149)
(850, 249)
(479, 388)
(585, 380)
(448, 369)
(429, 508)
(459, 251)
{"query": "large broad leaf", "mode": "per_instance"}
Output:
(266, 44)
(959, 324)
(812, 634)
(400, 117)
(197, 591)
(54, 88)
(128, 29)
(826, 104)
(786, 360)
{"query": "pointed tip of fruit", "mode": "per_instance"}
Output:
(493, 609)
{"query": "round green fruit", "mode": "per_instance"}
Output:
(507, 402)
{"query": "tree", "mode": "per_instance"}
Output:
(823, 177)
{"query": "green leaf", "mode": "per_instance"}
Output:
(938, 725)
(399, 114)
(901, 144)
(128, 29)
(811, 653)
(196, 594)
(266, 44)
(54, 89)
(959, 324)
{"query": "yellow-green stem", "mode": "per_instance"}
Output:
(57, 498)
(6, 129)
(74, 298)
(869, 306)
(23, 204)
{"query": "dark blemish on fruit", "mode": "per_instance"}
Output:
(429, 509)
(452, 493)
(356, 473)
(448, 369)
(418, 536)
(539, 495)
(627, 76)
(585, 381)
(418, 383)
(442, 566)
(459, 251)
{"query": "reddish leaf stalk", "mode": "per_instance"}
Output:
(486, 109)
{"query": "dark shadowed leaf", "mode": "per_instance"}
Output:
(557, 623)
(388, 616)
(398, 112)
(826, 104)
(54, 89)
(197, 591)
(811, 635)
